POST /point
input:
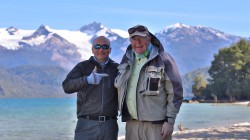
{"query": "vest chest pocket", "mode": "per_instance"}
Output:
(152, 80)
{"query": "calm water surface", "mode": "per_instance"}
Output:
(52, 119)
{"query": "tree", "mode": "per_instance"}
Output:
(230, 72)
(199, 85)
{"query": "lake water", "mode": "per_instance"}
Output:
(55, 118)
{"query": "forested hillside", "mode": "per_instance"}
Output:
(32, 81)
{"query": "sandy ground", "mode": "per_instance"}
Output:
(239, 131)
(247, 103)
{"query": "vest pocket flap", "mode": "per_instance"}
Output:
(154, 69)
(154, 72)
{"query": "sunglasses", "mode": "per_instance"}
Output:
(138, 28)
(104, 46)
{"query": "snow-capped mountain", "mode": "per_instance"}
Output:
(11, 30)
(92, 28)
(118, 38)
(181, 32)
(10, 37)
(191, 46)
(44, 49)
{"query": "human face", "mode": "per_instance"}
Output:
(140, 44)
(101, 54)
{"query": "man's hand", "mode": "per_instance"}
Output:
(95, 78)
(167, 130)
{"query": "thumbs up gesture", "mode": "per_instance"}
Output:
(95, 78)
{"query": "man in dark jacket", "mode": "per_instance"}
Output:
(97, 105)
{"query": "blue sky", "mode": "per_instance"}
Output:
(230, 16)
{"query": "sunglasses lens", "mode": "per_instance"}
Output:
(105, 47)
(140, 29)
(131, 30)
(98, 46)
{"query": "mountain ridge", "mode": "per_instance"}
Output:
(194, 44)
(39, 59)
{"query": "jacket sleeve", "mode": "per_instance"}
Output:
(174, 88)
(75, 80)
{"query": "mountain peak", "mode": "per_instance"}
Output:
(178, 25)
(174, 26)
(11, 30)
(42, 30)
(92, 28)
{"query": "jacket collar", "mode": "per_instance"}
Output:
(107, 62)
